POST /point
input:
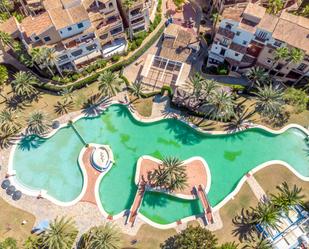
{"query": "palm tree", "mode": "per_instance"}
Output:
(63, 107)
(269, 101)
(305, 11)
(6, 139)
(259, 243)
(209, 87)
(61, 233)
(49, 58)
(266, 214)
(196, 84)
(32, 242)
(109, 83)
(170, 175)
(229, 245)
(220, 106)
(281, 53)
(287, 197)
(5, 40)
(9, 122)
(296, 56)
(137, 90)
(24, 84)
(238, 121)
(275, 6)
(257, 76)
(106, 236)
(37, 123)
(4, 76)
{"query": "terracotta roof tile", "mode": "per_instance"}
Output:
(36, 25)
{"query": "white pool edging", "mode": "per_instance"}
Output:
(44, 194)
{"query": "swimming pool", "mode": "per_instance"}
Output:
(51, 164)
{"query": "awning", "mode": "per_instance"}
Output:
(87, 57)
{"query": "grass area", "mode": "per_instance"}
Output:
(10, 222)
(279, 174)
(148, 237)
(243, 200)
(143, 106)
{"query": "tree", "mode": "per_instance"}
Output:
(281, 53)
(9, 122)
(24, 84)
(6, 139)
(4, 76)
(275, 6)
(5, 40)
(288, 197)
(61, 233)
(136, 90)
(106, 236)
(8, 243)
(257, 77)
(49, 58)
(191, 238)
(128, 3)
(37, 123)
(220, 106)
(295, 56)
(170, 175)
(229, 245)
(32, 242)
(305, 11)
(269, 101)
(259, 243)
(266, 214)
(297, 98)
(109, 83)
(63, 107)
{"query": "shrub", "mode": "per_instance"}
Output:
(139, 42)
(116, 58)
(297, 98)
(222, 69)
(208, 38)
(75, 76)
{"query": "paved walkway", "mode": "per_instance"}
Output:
(256, 188)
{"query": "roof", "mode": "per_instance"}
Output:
(233, 13)
(62, 18)
(293, 34)
(268, 22)
(36, 25)
(9, 26)
(52, 4)
(255, 10)
(172, 30)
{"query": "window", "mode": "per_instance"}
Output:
(77, 52)
(302, 67)
(222, 52)
(69, 28)
(110, 5)
(277, 44)
(262, 35)
(236, 54)
(36, 38)
(238, 33)
(244, 42)
(47, 38)
(228, 26)
(80, 25)
(269, 61)
(225, 42)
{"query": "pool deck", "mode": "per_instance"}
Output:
(92, 175)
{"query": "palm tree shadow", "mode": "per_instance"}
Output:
(184, 133)
(95, 105)
(244, 228)
(29, 142)
(160, 199)
(15, 103)
(124, 111)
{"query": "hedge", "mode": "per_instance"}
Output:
(168, 89)
(115, 67)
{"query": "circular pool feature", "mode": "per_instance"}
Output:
(101, 157)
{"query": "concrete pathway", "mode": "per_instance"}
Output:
(256, 188)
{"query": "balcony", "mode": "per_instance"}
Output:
(238, 48)
(225, 32)
(76, 41)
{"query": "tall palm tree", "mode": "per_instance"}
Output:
(269, 101)
(63, 107)
(136, 90)
(195, 84)
(288, 197)
(106, 236)
(49, 58)
(4, 76)
(220, 106)
(296, 56)
(257, 76)
(37, 123)
(170, 175)
(259, 243)
(9, 122)
(266, 214)
(61, 233)
(5, 40)
(24, 84)
(281, 53)
(109, 83)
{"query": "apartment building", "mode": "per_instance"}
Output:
(250, 36)
(137, 16)
(79, 31)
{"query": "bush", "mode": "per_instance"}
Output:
(116, 58)
(208, 38)
(132, 46)
(75, 76)
(139, 42)
(222, 69)
(297, 98)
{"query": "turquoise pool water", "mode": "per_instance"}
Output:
(52, 164)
